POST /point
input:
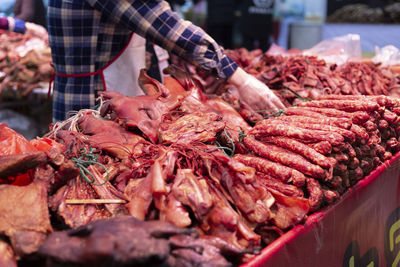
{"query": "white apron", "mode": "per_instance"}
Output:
(162, 57)
(123, 73)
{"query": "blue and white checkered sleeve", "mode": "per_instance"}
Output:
(154, 20)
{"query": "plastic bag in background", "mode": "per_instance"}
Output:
(276, 50)
(337, 50)
(388, 55)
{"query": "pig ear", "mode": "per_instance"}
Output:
(151, 86)
(105, 108)
(182, 76)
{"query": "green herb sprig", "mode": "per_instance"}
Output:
(86, 159)
(224, 148)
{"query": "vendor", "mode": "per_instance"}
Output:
(99, 45)
(17, 25)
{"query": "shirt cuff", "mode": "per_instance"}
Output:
(226, 67)
(19, 26)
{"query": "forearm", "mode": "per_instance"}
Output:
(155, 21)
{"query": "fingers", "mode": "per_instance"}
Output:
(277, 102)
(265, 106)
(269, 102)
(258, 96)
(273, 107)
(273, 100)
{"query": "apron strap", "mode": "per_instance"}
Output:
(78, 75)
(100, 71)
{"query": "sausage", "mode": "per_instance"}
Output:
(348, 135)
(353, 163)
(278, 185)
(285, 157)
(277, 170)
(392, 143)
(350, 150)
(383, 124)
(301, 149)
(370, 126)
(336, 182)
(340, 169)
(385, 101)
(378, 150)
(358, 117)
(338, 122)
(323, 147)
(356, 174)
(290, 111)
(387, 156)
(376, 161)
(345, 105)
(266, 128)
(341, 157)
(390, 116)
(343, 97)
(374, 138)
(330, 196)
(315, 194)
(346, 179)
(366, 165)
(361, 134)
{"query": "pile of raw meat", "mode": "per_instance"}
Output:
(179, 178)
(295, 75)
(24, 65)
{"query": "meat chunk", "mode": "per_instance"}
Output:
(110, 136)
(126, 241)
(141, 112)
(194, 127)
(24, 216)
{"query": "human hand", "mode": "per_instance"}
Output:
(36, 30)
(255, 93)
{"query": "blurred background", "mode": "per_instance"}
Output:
(296, 23)
(252, 24)
(288, 23)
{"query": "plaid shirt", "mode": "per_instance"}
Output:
(85, 35)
